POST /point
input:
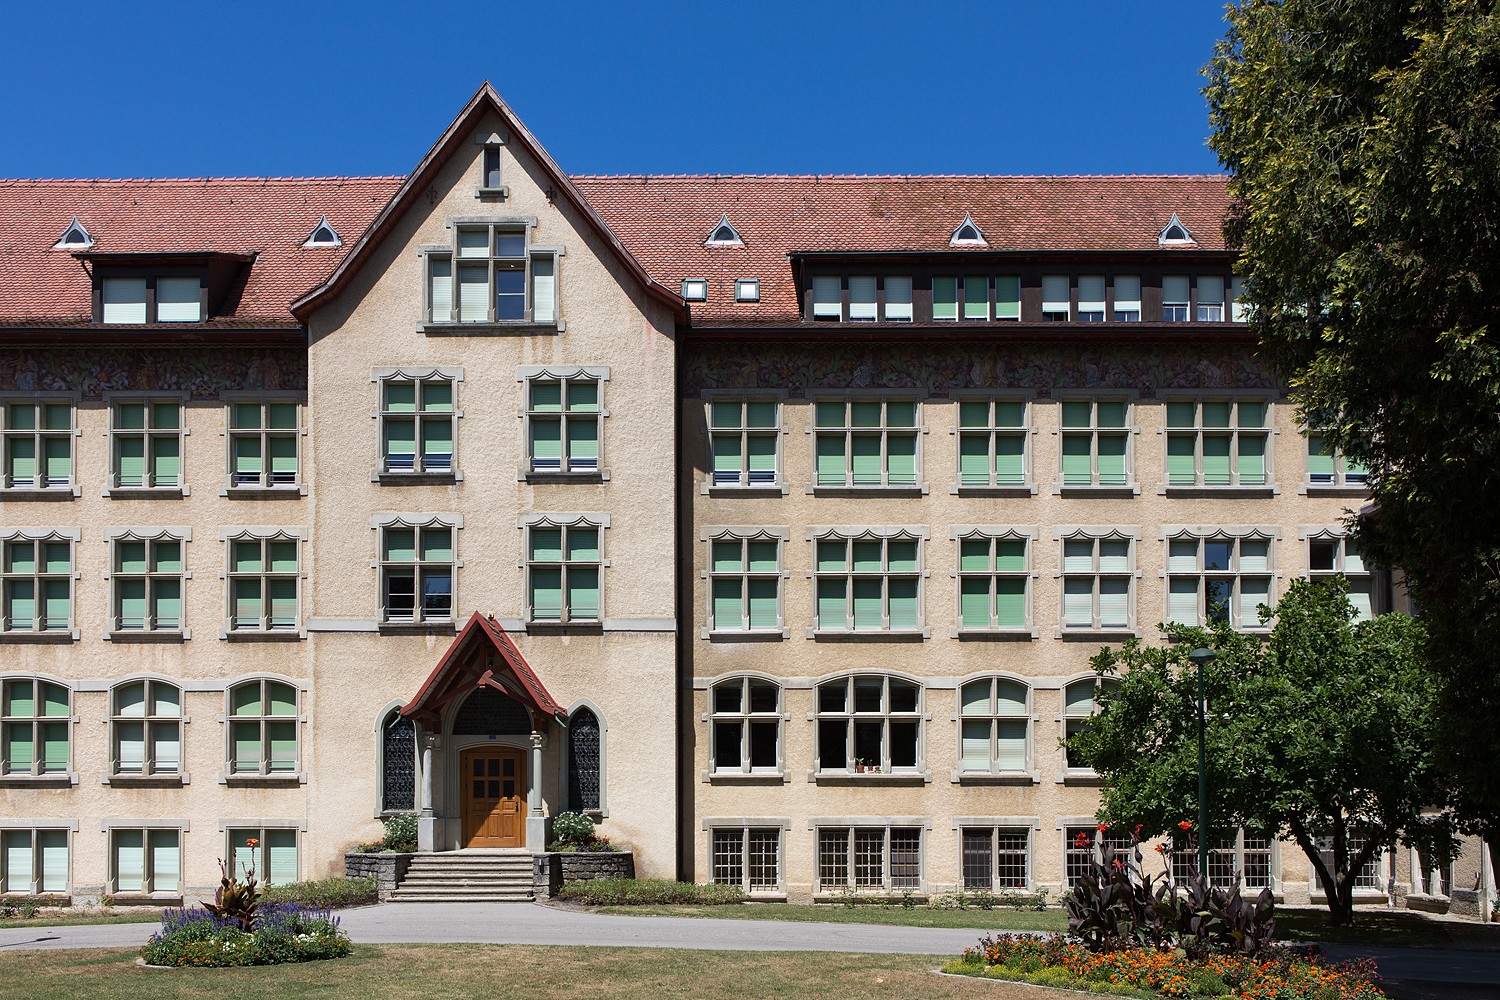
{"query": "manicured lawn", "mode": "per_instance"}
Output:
(451, 972)
(1052, 919)
(131, 916)
(1398, 928)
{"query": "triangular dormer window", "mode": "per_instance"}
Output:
(967, 234)
(75, 237)
(323, 235)
(1175, 234)
(724, 235)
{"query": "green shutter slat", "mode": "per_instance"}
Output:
(165, 466)
(830, 449)
(1252, 460)
(1077, 460)
(867, 609)
(1182, 463)
(1010, 602)
(763, 602)
(283, 740)
(945, 298)
(583, 443)
(283, 457)
(247, 603)
(245, 738)
(130, 459)
(1114, 603)
(832, 604)
(1008, 298)
(974, 459)
(58, 460)
(762, 457)
(247, 455)
(974, 745)
(974, 602)
(865, 460)
(53, 847)
(23, 460)
(1111, 460)
(546, 593)
(727, 464)
(583, 594)
(727, 604)
(167, 603)
(1078, 602)
(1010, 744)
(166, 860)
(901, 460)
(903, 599)
(54, 747)
(20, 598)
(57, 605)
(1216, 460)
(130, 860)
(1182, 601)
(281, 855)
(1010, 460)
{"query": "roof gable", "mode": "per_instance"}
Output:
(471, 662)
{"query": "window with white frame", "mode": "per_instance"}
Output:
(36, 585)
(945, 298)
(1210, 299)
(563, 565)
(417, 566)
(152, 299)
(269, 852)
(1079, 846)
(746, 721)
(1175, 292)
(866, 442)
(263, 727)
(1095, 442)
(1007, 297)
(146, 444)
(36, 726)
(868, 583)
(145, 862)
(1057, 306)
(745, 438)
(563, 423)
(748, 857)
(747, 290)
(146, 728)
(898, 308)
(994, 718)
(869, 723)
(492, 275)
(34, 862)
(1127, 298)
(1219, 578)
(885, 858)
(37, 436)
(1330, 554)
(1091, 298)
(994, 580)
(1080, 705)
(744, 577)
(1098, 575)
(264, 582)
(264, 442)
(146, 584)
(1241, 857)
(1218, 442)
(1328, 466)
(993, 436)
(996, 858)
(417, 420)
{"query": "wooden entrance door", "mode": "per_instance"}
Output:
(494, 796)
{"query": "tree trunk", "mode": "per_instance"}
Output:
(1339, 894)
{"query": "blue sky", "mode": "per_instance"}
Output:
(1011, 86)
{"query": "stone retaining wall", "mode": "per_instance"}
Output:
(549, 871)
(386, 869)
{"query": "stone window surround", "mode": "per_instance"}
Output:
(39, 534)
(64, 779)
(262, 825)
(524, 375)
(921, 533)
(603, 811)
(303, 718)
(183, 489)
(379, 376)
(1029, 434)
(712, 824)
(110, 826)
(1380, 593)
(916, 396)
(554, 519)
(37, 824)
(921, 774)
(1027, 533)
(527, 224)
(1061, 533)
(884, 823)
(1131, 431)
(179, 533)
(229, 489)
(233, 533)
(1233, 396)
(40, 398)
(381, 718)
(1030, 776)
(1075, 775)
(1209, 532)
(781, 775)
(780, 535)
(779, 397)
(415, 521)
(1031, 824)
(1340, 487)
(109, 719)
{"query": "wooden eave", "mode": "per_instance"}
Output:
(479, 656)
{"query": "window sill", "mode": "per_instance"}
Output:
(1099, 492)
(758, 490)
(1329, 490)
(176, 780)
(182, 635)
(1096, 634)
(294, 492)
(417, 478)
(747, 635)
(874, 894)
(60, 780)
(502, 328)
(416, 628)
(563, 478)
(147, 492)
(742, 778)
(253, 635)
(565, 628)
(1223, 492)
(850, 778)
(869, 635)
(993, 634)
(24, 494)
(1081, 777)
(50, 636)
(290, 779)
(962, 490)
(145, 899)
(1026, 778)
(868, 491)
(492, 193)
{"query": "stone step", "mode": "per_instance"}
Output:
(460, 892)
(450, 880)
(469, 868)
(461, 899)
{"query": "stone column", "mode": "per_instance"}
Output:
(536, 823)
(426, 823)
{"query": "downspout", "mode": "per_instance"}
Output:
(1486, 880)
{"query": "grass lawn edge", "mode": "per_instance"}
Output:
(958, 968)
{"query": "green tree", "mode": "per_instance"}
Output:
(1363, 140)
(1322, 729)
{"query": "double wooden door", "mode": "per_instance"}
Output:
(493, 787)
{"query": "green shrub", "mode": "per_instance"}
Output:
(328, 893)
(572, 828)
(196, 938)
(649, 891)
(400, 834)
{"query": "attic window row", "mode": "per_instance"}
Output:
(151, 299)
(745, 289)
(1048, 298)
(76, 236)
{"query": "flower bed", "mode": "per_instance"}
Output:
(283, 933)
(1276, 974)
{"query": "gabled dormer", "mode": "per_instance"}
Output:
(724, 234)
(967, 234)
(75, 237)
(131, 289)
(1175, 234)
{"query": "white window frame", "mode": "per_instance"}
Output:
(417, 524)
(149, 721)
(39, 538)
(1096, 574)
(850, 718)
(884, 535)
(744, 536)
(264, 537)
(744, 718)
(150, 538)
(37, 435)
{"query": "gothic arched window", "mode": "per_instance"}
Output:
(584, 759)
(398, 779)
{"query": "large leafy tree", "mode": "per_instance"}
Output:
(1322, 729)
(1363, 140)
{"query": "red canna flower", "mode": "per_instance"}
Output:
(1081, 840)
(1184, 825)
(252, 842)
(1103, 827)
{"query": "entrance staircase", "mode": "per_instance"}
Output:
(467, 877)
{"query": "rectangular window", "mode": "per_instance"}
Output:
(994, 727)
(749, 858)
(1239, 310)
(563, 424)
(416, 573)
(500, 278)
(36, 437)
(1008, 297)
(886, 859)
(868, 583)
(862, 300)
(1218, 579)
(1210, 299)
(263, 728)
(869, 724)
(146, 728)
(745, 438)
(264, 441)
(36, 585)
(945, 299)
(1330, 554)
(747, 290)
(1174, 298)
(264, 579)
(158, 299)
(828, 301)
(270, 853)
(1095, 442)
(695, 289)
(994, 580)
(1218, 442)
(993, 437)
(1098, 574)
(745, 584)
(898, 299)
(976, 297)
(866, 442)
(1243, 856)
(36, 723)
(746, 726)
(1327, 466)
(179, 300)
(146, 444)
(1091, 299)
(1057, 306)
(996, 859)
(34, 862)
(145, 862)
(146, 584)
(123, 300)
(1127, 298)
(1079, 849)
(563, 565)
(417, 419)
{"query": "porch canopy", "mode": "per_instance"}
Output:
(482, 655)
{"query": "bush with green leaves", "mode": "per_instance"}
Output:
(572, 828)
(328, 893)
(195, 937)
(649, 891)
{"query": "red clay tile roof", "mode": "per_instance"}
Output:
(664, 222)
(270, 217)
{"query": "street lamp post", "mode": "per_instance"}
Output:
(1201, 656)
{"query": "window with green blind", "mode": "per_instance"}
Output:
(1217, 442)
(417, 569)
(1327, 466)
(745, 583)
(1330, 554)
(993, 436)
(146, 444)
(417, 419)
(1080, 704)
(263, 728)
(145, 862)
(865, 442)
(1095, 442)
(33, 862)
(945, 299)
(264, 441)
(994, 726)
(1098, 578)
(868, 723)
(993, 583)
(36, 445)
(501, 278)
(35, 727)
(1008, 297)
(563, 424)
(146, 584)
(868, 583)
(36, 585)
(744, 437)
(1218, 579)
(146, 728)
(268, 852)
(263, 584)
(563, 566)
